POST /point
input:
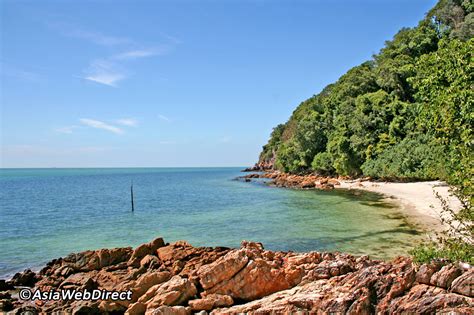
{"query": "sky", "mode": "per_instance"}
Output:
(172, 83)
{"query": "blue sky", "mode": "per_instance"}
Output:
(172, 83)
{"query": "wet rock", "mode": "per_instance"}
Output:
(5, 286)
(26, 278)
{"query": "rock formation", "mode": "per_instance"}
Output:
(181, 279)
(280, 179)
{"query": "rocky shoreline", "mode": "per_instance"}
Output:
(309, 181)
(181, 279)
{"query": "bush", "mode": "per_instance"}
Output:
(322, 163)
(414, 158)
(456, 243)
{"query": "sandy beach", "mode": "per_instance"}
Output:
(417, 200)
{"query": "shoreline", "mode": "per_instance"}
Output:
(416, 200)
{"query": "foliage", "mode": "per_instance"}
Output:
(322, 163)
(369, 121)
(407, 114)
(451, 250)
(414, 158)
(457, 244)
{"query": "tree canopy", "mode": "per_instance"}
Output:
(407, 114)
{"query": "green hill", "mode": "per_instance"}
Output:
(407, 114)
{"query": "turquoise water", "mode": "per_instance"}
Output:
(48, 213)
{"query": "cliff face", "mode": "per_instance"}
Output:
(181, 279)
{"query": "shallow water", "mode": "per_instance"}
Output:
(48, 213)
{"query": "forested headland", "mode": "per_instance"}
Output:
(405, 115)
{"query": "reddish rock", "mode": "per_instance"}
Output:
(176, 251)
(210, 302)
(444, 277)
(257, 279)
(95, 260)
(136, 309)
(222, 269)
(169, 310)
(425, 273)
(176, 291)
(180, 279)
(144, 250)
(464, 284)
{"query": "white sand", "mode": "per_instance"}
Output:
(417, 200)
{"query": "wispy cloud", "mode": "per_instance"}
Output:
(67, 129)
(131, 122)
(97, 38)
(167, 142)
(163, 117)
(135, 54)
(104, 72)
(107, 70)
(100, 125)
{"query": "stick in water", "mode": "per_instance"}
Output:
(131, 196)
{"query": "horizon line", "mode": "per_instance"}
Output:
(95, 167)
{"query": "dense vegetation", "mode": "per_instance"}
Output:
(407, 114)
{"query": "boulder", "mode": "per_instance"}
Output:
(222, 269)
(95, 260)
(176, 291)
(444, 277)
(425, 273)
(169, 310)
(210, 302)
(26, 278)
(464, 284)
(5, 286)
(145, 249)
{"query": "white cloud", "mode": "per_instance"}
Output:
(135, 54)
(131, 122)
(100, 125)
(163, 117)
(67, 129)
(104, 72)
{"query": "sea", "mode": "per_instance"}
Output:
(49, 213)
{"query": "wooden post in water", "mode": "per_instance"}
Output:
(131, 196)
